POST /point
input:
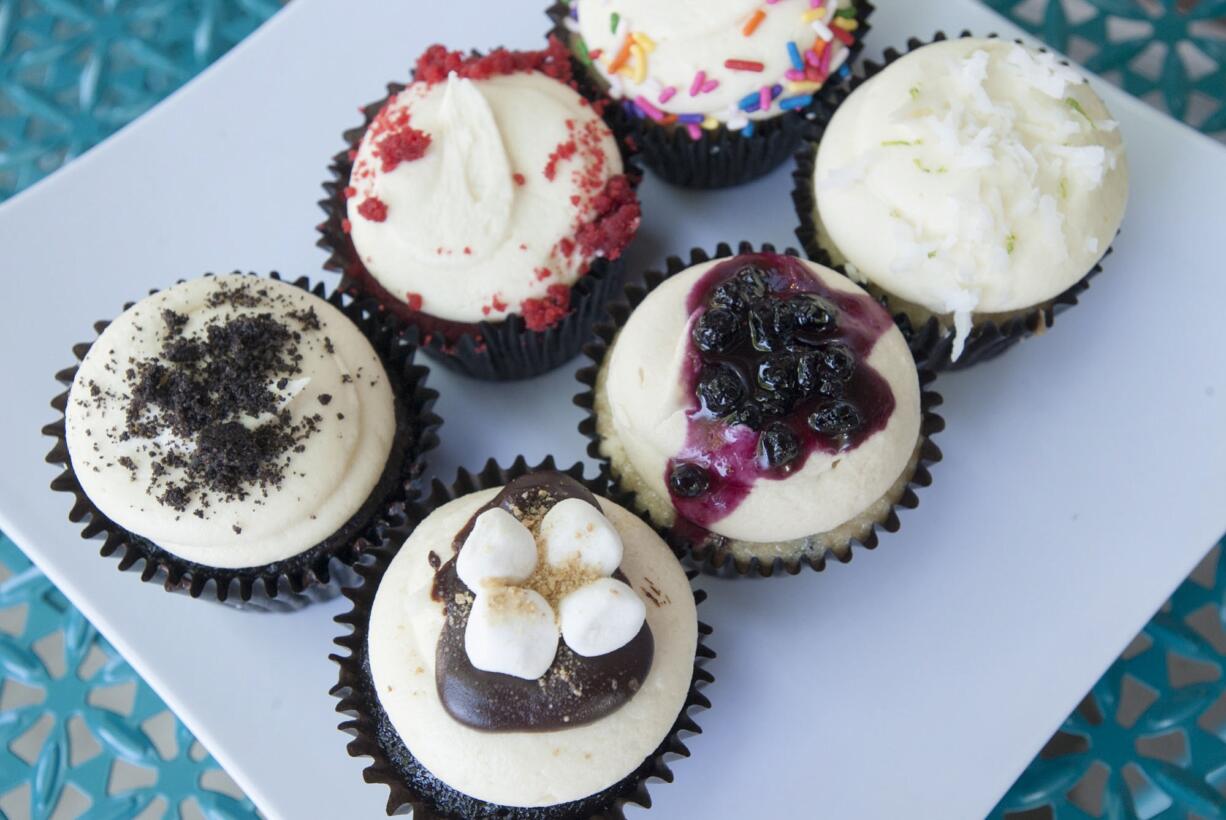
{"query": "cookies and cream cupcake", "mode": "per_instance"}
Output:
(484, 204)
(242, 432)
(528, 652)
(716, 92)
(764, 410)
(973, 182)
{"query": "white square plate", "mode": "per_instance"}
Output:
(1083, 478)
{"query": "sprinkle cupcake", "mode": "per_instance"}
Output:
(529, 652)
(765, 411)
(715, 93)
(243, 437)
(975, 184)
(486, 204)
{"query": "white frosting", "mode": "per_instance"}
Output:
(527, 768)
(648, 407)
(511, 630)
(600, 617)
(972, 176)
(498, 550)
(574, 530)
(684, 37)
(474, 226)
(324, 484)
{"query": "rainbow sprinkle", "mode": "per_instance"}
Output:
(810, 65)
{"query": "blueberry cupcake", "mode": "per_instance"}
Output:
(765, 411)
(717, 93)
(243, 437)
(487, 204)
(975, 183)
(529, 652)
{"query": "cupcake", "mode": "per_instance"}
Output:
(243, 437)
(975, 184)
(765, 411)
(529, 652)
(486, 204)
(718, 93)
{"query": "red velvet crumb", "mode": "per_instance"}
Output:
(543, 273)
(414, 300)
(438, 62)
(617, 217)
(542, 314)
(564, 151)
(519, 178)
(346, 225)
(351, 192)
(497, 303)
(402, 145)
(373, 208)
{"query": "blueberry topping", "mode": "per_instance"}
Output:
(761, 329)
(837, 362)
(811, 313)
(747, 286)
(721, 389)
(778, 445)
(716, 330)
(778, 375)
(748, 414)
(813, 378)
(689, 480)
(835, 418)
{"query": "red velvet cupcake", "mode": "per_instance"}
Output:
(487, 205)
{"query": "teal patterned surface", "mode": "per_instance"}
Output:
(1148, 742)
(1161, 50)
(72, 73)
(50, 689)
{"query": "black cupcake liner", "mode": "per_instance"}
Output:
(409, 782)
(712, 554)
(930, 342)
(318, 573)
(493, 351)
(722, 158)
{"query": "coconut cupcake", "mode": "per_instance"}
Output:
(765, 411)
(242, 436)
(975, 183)
(486, 204)
(529, 652)
(714, 93)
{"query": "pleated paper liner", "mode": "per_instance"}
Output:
(319, 572)
(411, 785)
(493, 351)
(931, 337)
(710, 552)
(722, 157)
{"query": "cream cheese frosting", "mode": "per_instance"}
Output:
(526, 768)
(467, 195)
(335, 398)
(647, 407)
(971, 176)
(712, 58)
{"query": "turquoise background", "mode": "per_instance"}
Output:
(1149, 741)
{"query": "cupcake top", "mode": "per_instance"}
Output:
(533, 644)
(487, 187)
(715, 61)
(231, 420)
(972, 176)
(768, 397)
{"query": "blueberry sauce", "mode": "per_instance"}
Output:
(777, 369)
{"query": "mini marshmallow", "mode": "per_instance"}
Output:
(574, 527)
(499, 548)
(600, 617)
(511, 630)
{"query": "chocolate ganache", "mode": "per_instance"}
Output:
(575, 690)
(777, 367)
